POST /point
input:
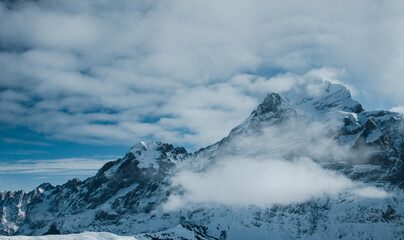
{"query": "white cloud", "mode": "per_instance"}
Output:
(279, 165)
(200, 109)
(66, 166)
(370, 192)
(131, 61)
(30, 173)
(399, 109)
(21, 141)
(332, 75)
(259, 86)
(262, 182)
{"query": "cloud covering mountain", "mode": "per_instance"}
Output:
(180, 71)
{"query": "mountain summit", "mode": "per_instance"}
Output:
(323, 96)
(318, 121)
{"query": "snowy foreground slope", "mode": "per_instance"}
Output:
(309, 163)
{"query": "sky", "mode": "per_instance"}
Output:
(82, 81)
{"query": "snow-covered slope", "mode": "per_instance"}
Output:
(318, 120)
(117, 199)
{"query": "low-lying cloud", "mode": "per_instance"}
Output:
(281, 164)
(262, 182)
(257, 182)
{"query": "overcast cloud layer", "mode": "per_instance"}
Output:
(185, 71)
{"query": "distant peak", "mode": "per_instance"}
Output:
(317, 89)
(308, 99)
(152, 146)
(149, 153)
(324, 88)
(144, 146)
(322, 96)
(274, 109)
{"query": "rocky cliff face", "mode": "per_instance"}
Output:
(121, 192)
(126, 196)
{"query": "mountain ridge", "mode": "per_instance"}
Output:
(126, 196)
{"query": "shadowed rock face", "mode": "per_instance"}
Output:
(273, 103)
(126, 195)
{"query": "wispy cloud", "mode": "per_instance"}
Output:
(66, 166)
(23, 152)
(399, 109)
(21, 141)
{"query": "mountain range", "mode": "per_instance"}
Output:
(308, 163)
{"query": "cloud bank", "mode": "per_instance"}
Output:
(263, 183)
(282, 164)
(116, 72)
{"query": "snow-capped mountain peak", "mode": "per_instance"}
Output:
(322, 96)
(145, 155)
(273, 110)
(127, 196)
(149, 153)
(273, 103)
(315, 101)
